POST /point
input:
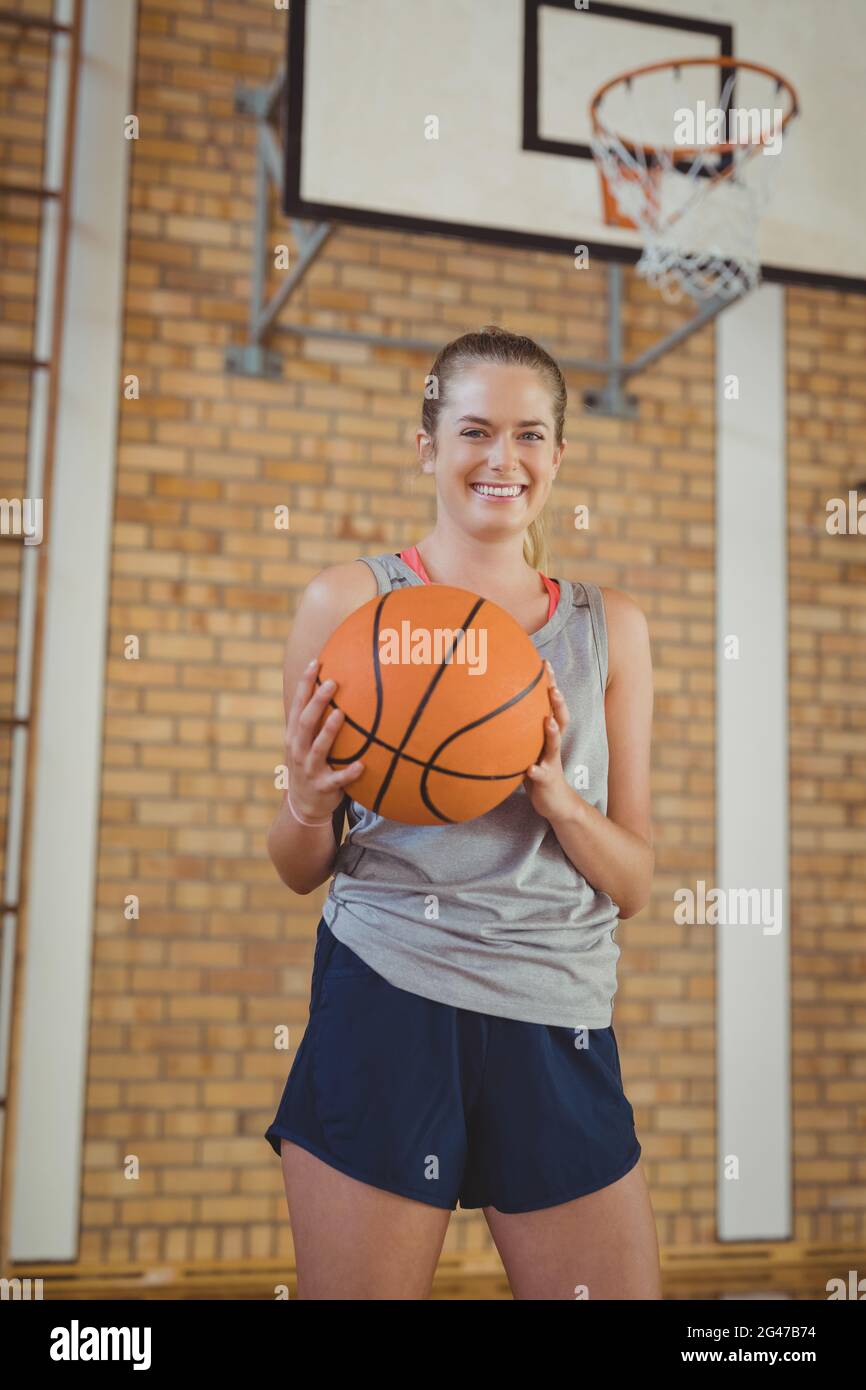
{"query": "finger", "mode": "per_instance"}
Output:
(306, 726)
(548, 752)
(321, 744)
(552, 740)
(335, 780)
(553, 687)
(559, 707)
(303, 689)
(555, 692)
(315, 707)
(315, 764)
(348, 774)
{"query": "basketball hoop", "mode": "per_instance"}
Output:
(703, 245)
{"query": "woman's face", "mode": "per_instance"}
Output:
(496, 455)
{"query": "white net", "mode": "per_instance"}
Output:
(699, 215)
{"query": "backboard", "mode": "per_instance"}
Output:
(470, 118)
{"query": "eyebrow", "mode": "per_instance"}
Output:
(521, 424)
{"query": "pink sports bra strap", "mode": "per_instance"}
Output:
(413, 560)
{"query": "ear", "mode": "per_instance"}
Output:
(424, 447)
(557, 457)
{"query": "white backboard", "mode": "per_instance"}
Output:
(509, 82)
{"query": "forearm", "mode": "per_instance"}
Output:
(302, 855)
(614, 860)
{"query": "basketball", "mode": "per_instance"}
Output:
(444, 697)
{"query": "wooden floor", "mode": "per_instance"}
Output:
(803, 1281)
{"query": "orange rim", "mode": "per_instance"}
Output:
(684, 153)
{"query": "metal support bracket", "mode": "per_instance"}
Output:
(612, 398)
(253, 358)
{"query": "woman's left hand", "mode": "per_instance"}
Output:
(548, 791)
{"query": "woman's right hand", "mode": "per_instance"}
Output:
(315, 787)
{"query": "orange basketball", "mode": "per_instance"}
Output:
(445, 698)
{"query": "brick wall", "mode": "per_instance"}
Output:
(826, 457)
(23, 94)
(182, 1069)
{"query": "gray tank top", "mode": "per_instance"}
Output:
(490, 914)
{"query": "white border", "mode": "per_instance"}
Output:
(753, 1035)
(55, 1025)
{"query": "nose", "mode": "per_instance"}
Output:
(503, 454)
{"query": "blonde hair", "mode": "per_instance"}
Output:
(498, 345)
(535, 544)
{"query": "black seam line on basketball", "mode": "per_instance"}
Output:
(370, 736)
(424, 701)
(428, 763)
(410, 757)
(521, 695)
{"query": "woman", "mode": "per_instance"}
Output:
(460, 1045)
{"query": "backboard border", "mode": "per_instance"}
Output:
(533, 140)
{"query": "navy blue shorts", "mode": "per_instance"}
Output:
(442, 1104)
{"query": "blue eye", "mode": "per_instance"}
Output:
(527, 433)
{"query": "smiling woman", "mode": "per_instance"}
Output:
(499, 361)
(469, 1053)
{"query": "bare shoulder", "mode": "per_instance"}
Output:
(329, 598)
(338, 590)
(628, 643)
(620, 608)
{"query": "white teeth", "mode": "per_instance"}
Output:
(487, 491)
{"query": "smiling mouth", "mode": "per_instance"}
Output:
(500, 491)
